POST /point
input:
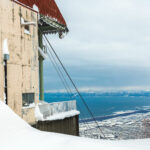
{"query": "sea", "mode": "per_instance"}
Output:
(106, 105)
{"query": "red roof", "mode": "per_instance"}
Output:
(47, 8)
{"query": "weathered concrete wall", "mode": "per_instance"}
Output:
(1, 66)
(28, 115)
(66, 126)
(23, 48)
(1, 75)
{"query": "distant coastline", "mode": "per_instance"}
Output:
(127, 113)
(103, 93)
(104, 105)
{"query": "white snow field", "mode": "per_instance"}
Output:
(16, 134)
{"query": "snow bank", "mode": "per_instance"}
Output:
(35, 7)
(38, 114)
(64, 115)
(5, 47)
(16, 134)
(59, 116)
(32, 105)
(55, 111)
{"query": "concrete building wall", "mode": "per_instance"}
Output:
(28, 115)
(1, 71)
(23, 48)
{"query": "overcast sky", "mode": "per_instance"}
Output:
(108, 46)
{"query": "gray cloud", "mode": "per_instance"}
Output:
(110, 36)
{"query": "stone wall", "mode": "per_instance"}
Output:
(23, 48)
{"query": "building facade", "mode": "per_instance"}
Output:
(23, 24)
(22, 66)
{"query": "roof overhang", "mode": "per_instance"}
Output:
(51, 19)
(48, 25)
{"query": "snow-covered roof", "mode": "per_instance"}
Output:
(16, 134)
(55, 111)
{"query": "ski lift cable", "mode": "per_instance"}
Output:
(57, 68)
(59, 74)
(63, 82)
(85, 123)
(69, 92)
(62, 75)
(69, 77)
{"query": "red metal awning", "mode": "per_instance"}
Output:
(47, 8)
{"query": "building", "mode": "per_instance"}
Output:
(23, 23)
(22, 42)
(50, 21)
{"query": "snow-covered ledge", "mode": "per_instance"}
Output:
(55, 111)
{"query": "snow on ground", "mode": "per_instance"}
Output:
(16, 134)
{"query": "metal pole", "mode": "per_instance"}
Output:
(5, 73)
(41, 79)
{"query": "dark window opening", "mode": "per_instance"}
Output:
(27, 99)
(27, 28)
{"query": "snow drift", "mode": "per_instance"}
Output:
(16, 134)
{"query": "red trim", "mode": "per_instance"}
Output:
(46, 7)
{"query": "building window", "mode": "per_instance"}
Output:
(26, 25)
(27, 99)
(27, 29)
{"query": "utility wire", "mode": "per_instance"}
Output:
(62, 76)
(84, 122)
(64, 82)
(59, 72)
(74, 85)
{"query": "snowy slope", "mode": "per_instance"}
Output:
(15, 134)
